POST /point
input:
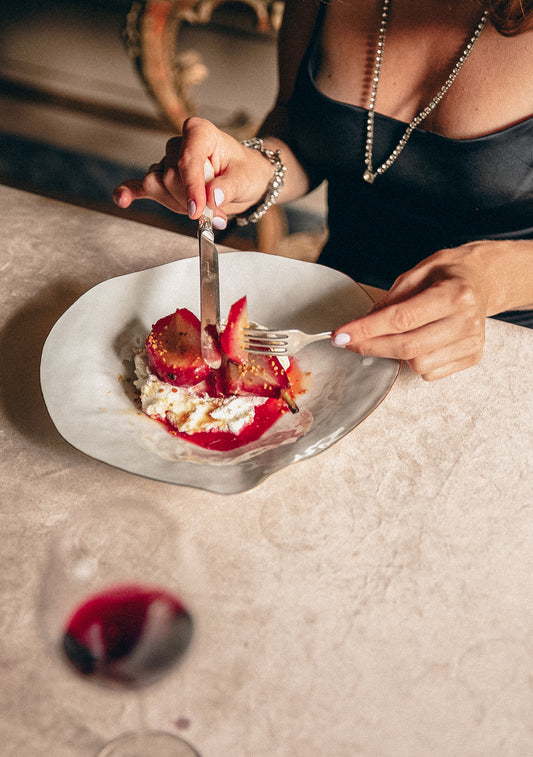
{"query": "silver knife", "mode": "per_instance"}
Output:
(209, 283)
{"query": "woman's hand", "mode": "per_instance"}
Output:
(433, 317)
(241, 175)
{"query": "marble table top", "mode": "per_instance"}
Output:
(373, 601)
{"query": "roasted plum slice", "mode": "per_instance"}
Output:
(245, 373)
(232, 338)
(260, 375)
(173, 349)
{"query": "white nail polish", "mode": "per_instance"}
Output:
(191, 207)
(341, 340)
(219, 223)
(218, 195)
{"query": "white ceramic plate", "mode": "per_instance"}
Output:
(87, 369)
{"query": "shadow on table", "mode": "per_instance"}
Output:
(21, 342)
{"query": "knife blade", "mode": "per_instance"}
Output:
(209, 283)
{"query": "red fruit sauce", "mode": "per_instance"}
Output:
(265, 417)
(224, 441)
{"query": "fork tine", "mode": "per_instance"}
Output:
(264, 334)
(266, 348)
(267, 351)
(265, 341)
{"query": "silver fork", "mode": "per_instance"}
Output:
(280, 342)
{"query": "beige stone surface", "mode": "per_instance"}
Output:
(373, 601)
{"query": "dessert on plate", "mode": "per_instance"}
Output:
(221, 408)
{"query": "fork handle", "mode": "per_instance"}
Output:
(318, 337)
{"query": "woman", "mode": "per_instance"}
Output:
(430, 198)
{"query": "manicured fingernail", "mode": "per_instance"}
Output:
(219, 223)
(218, 194)
(341, 340)
(191, 207)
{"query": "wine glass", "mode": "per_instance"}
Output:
(107, 611)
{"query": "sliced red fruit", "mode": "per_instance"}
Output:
(173, 349)
(288, 398)
(261, 376)
(297, 382)
(232, 338)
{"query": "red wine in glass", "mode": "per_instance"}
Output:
(127, 635)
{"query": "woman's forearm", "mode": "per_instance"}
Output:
(508, 270)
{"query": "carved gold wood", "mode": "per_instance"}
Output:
(151, 32)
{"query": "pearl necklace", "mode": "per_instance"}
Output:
(369, 174)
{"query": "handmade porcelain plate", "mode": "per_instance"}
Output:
(87, 368)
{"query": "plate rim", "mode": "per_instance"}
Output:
(254, 474)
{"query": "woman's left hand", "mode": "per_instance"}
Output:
(433, 317)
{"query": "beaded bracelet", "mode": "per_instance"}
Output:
(258, 211)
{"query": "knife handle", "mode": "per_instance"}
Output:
(209, 175)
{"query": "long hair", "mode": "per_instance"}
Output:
(509, 17)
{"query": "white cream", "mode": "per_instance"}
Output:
(190, 412)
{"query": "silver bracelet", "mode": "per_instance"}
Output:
(258, 211)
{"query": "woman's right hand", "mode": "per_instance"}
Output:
(241, 175)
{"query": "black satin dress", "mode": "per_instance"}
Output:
(439, 193)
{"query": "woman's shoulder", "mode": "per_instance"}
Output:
(299, 19)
